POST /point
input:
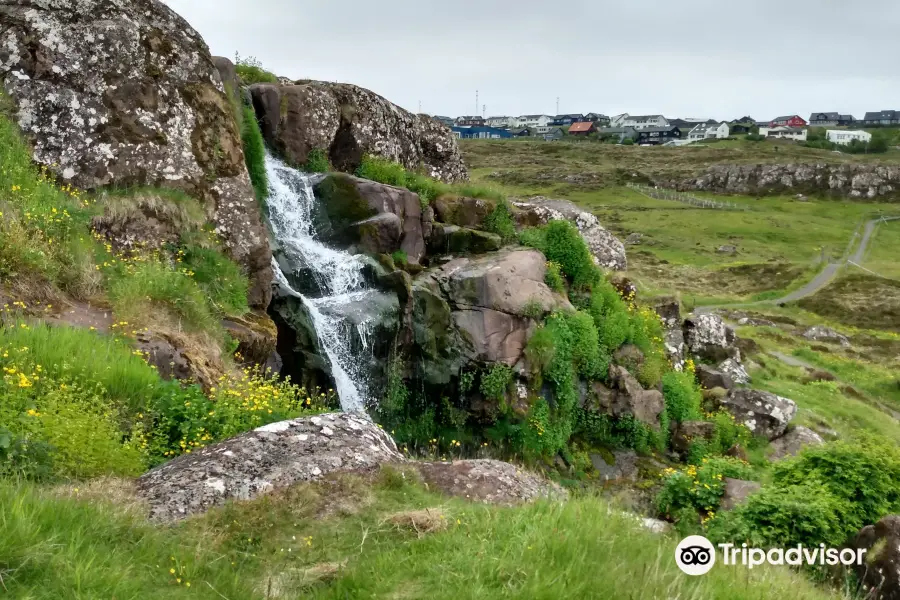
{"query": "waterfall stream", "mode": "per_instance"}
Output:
(338, 276)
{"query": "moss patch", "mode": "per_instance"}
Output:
(343, 202)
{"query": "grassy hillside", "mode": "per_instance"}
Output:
(350, 537)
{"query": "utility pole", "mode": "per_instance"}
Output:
(420, 107)
(476, 102)
(557, 105)
(483, 110)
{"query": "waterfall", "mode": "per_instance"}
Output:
(337, 274)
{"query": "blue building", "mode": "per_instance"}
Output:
(480, 132)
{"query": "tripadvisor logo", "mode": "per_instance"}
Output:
(696, 555)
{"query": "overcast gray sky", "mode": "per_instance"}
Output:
(685, 58)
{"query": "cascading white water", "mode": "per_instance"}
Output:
(338, 274)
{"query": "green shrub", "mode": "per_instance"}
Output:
(400, 258)
(427, 188)
(698, 487)
(317, 162)
(255, 154)
(628, 142)
(561, 243)
(250, 70)
(554, 278)
(776, 516)
(610, 314)
(683, 396)
(500, 221)
(382, 171)
(495, 383)
(220, 277)
(861, 474)
(647, 334)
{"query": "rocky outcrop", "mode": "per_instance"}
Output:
(451, 239)
(792, 442)
(256, 336)
(763, 413)
(623, 468)
(708, 337)
(489, 482)
(350, 204)
(669, 311)
(880, 571)
(462, 211)
(625, 396)
(736, 492)
(711, 378)
(347, 122)
(608, 251)
(486, 299)
(686, 433)
(848, 180)
(735, 371)
(818, 333)
(126, 94)
(257, 462)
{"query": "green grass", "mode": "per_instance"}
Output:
(345, 538)
(250, 74)
(254, 153)
(882, 257)
(221, 279)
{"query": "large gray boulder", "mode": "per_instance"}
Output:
(709, 338)
(736, 492)
(625, 396)
(607, 249)
(763, 413)
(126, 94)
(792, 442)
(735, 371)
(490, 299)
(258, 462)
(819, 333)
(350, 203)
(347, 122)
(711, 378)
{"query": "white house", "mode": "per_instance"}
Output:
(839, 136)
(500, 122)
(798, 134)
(643, 121)
(617, 120)
(705, 131)
(533, 121)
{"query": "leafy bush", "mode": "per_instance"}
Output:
(682, 395)
(254, 153)
(317, 162)
(500, 221)
(554, 278)
(698, 487)
(647, 334)
(495, 383)
(863, 474)
(628, 142)
(804, 513)
(561, 243)
(755, 137)
(427, 188)
(610, 314)
(251, 71)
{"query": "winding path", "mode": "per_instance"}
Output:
(825, 275)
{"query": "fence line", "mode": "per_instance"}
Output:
(664, 194)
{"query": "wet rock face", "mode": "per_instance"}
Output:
(125, 93)
(260, 461)
(847, 180)
(347, 122)
(763, 413)
(607, 249)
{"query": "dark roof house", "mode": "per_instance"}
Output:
(830, 118)
(882, 117)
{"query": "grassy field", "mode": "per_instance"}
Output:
(781, 242)
(350, 537)
(884, 249)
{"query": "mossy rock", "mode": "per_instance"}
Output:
(463, 212)
(438, 343)
(452, 239)
(256, 335)
(342, 200)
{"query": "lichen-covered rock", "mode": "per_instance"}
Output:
(792, 442)
(735, 371)
(349, 201)
(125, 93)
(347, 122)
(880, 571)
(763, 413)
(711, 378)
(818, 333)
(256, 335)
(736, 492)
(708, 337)
(850, 180)
(490, 297)
(260, 461)
(669, 311)
(489, 481)
(607, 249)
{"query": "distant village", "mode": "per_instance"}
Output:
(660, 130)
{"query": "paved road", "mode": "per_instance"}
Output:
(824, 277)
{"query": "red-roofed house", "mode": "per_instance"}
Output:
(583, 128)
